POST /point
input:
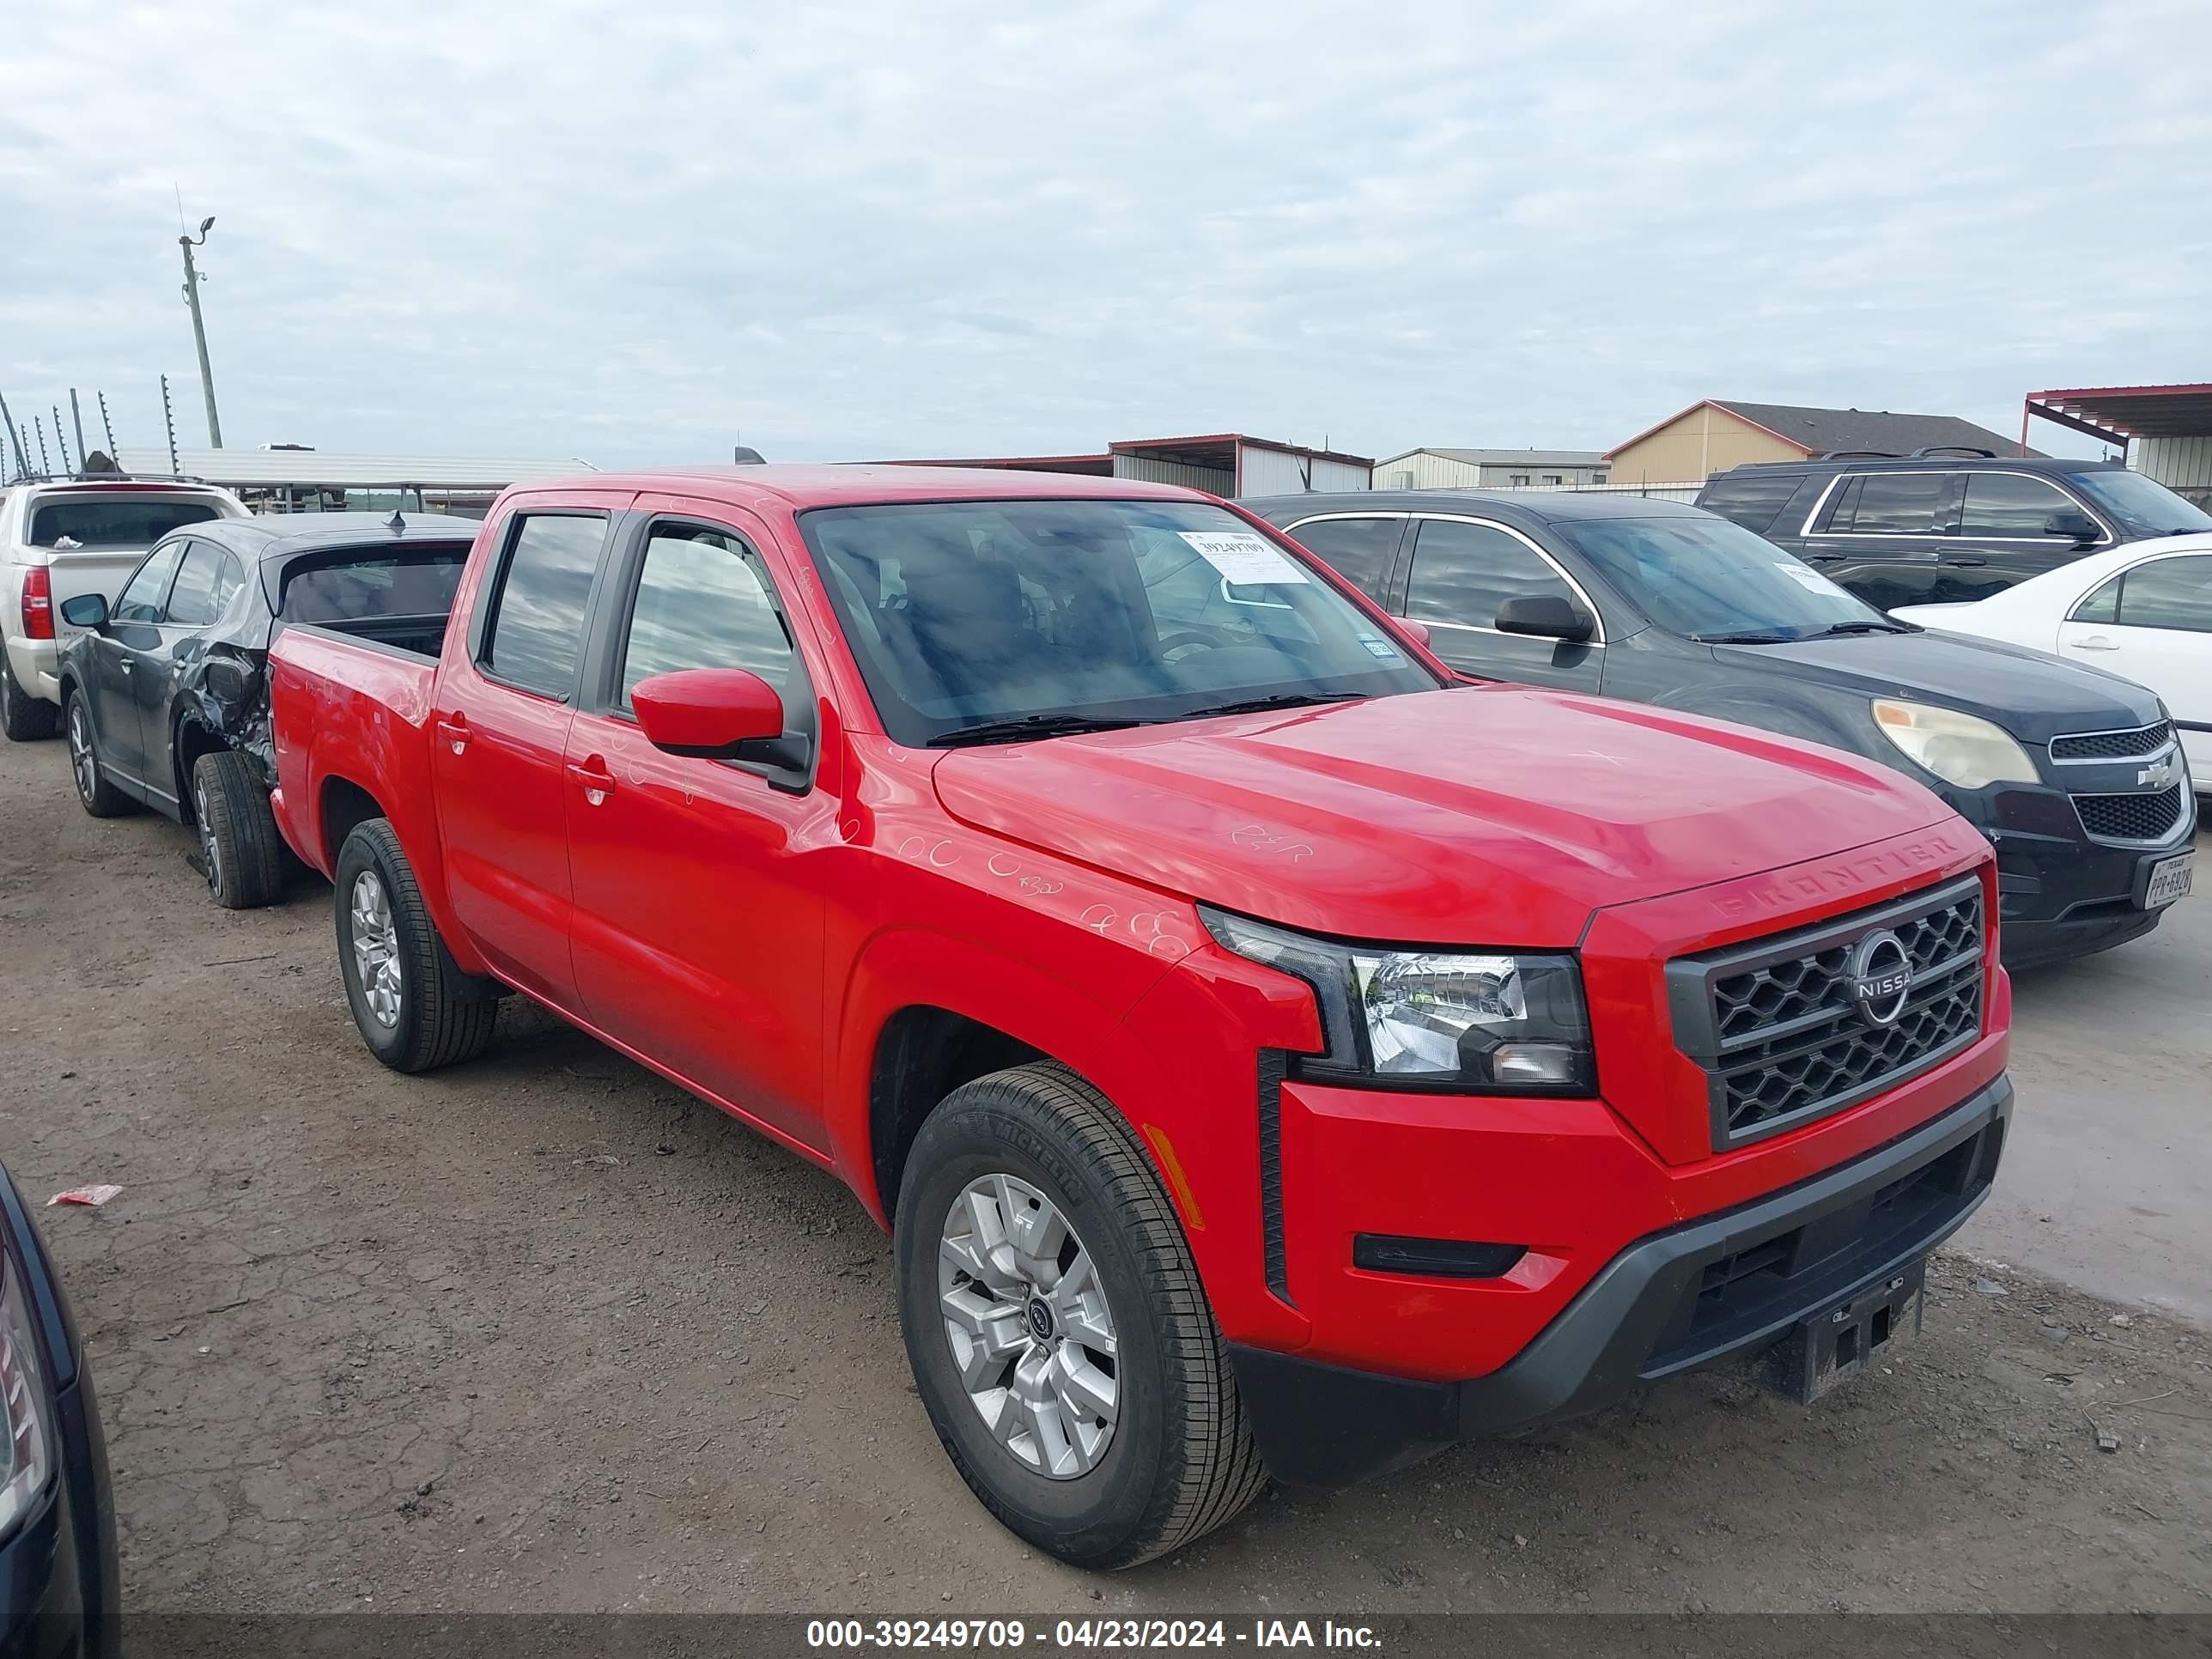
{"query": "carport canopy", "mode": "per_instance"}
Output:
(2118, 413)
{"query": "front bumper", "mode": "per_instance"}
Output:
(2060, 893)
(1725, 1285)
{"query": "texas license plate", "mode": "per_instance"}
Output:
(2169, 880)
(1836, 1345)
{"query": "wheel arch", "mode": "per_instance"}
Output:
(927, 1012)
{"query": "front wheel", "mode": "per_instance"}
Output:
(94, 792)
(1059, 1333)
(415, 1010)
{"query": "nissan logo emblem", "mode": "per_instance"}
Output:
(1881, 972)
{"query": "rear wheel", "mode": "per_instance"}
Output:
(1059, 1333)
(241, 852)
(97, 795)
(415, 1009)
(22, 716)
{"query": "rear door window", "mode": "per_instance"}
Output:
(1898, 504)
(141, 599)
(1462, 572)
(2101, 606)
(1358, 549)
(2009, 507)
(200, 592)
(536, 631)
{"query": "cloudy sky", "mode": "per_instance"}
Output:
(883, 229)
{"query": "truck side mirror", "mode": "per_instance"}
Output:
(1418, 630)
(85, 610)
(713, 713)
(1545, 616)
(2073, 523)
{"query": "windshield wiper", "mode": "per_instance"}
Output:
(1834, 629)
(1026, 726)
(1754, 637)
(1280, 700)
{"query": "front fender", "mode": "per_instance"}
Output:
(1059, 1014)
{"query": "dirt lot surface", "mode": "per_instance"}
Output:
(543, 1333)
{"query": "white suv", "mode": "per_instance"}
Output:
(58, 540)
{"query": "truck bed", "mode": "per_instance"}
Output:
(353, 698)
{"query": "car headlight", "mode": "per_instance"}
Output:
(1960, 748)
(1473, 1022)
(28, 1458)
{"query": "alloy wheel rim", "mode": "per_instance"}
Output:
(210, 855)
(81, 764)
(375, 948)
(1029, 1328)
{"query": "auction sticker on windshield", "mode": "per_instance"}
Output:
(1243, 558)
(1807, 577)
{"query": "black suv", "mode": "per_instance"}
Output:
(1944, 526)
(2068, 770)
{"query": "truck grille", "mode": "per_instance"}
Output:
(1782, 1035)
(2138, 817)
(2113, 745)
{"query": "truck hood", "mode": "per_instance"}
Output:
(1486, 815)
(2030, 695)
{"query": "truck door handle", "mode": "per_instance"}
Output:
(2096, 642)
(1965, 564)
(123, 663)
(599, 782)
(455, 732)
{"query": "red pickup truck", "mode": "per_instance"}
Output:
(1268, 1053)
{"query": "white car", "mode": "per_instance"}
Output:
(2143, 610)
(62, 539)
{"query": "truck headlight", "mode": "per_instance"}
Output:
(28, 1459)
(1960, 748)
(1473, 1022)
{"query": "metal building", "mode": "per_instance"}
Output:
(1490, 469)
(313, 480)
(2165, 431)
(1222, 463)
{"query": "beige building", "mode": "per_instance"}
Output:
(1712, 436)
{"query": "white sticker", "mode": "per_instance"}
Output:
(1244, 558)
(1812, 580)
(1379, 647)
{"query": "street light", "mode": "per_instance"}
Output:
(199, 328)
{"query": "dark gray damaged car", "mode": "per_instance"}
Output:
(165, 694)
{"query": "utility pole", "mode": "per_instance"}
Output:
(76, 419)
(199, 328)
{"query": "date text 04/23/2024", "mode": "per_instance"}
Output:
(1007, 1635)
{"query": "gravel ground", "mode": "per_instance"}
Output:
(543, 1333)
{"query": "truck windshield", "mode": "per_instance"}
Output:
(1711, 580)
(992, 621)
(2144, 506)
(113, 521)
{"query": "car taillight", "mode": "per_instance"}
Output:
(28, 1458)
(38, 604)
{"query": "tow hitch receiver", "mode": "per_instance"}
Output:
(1833, 1346)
